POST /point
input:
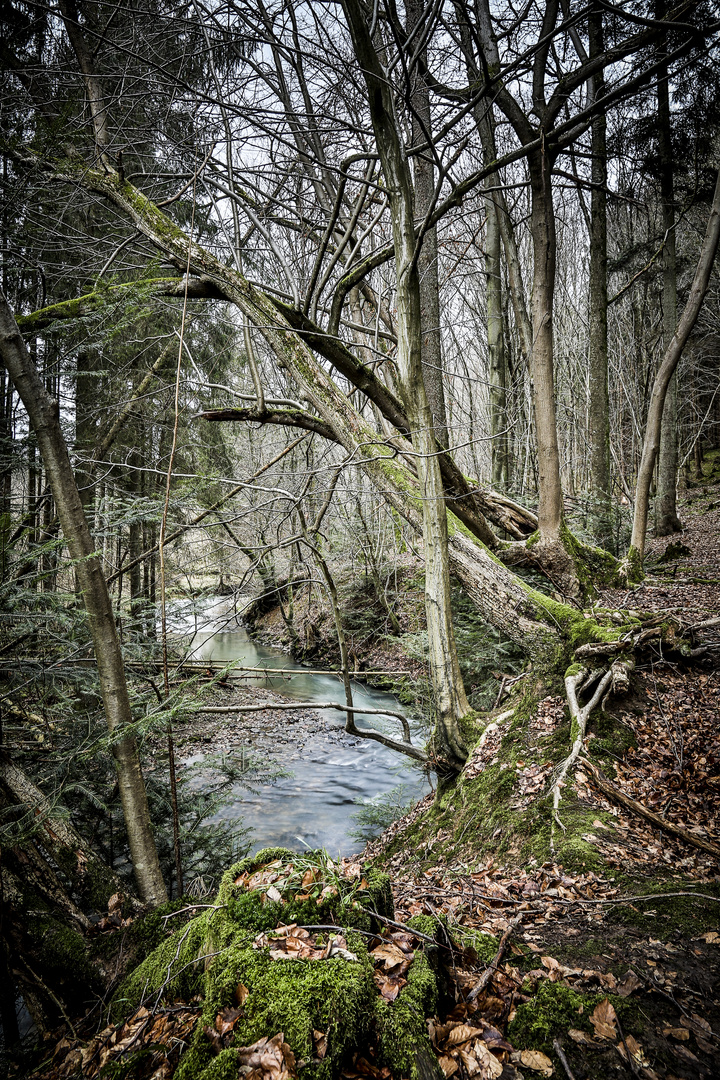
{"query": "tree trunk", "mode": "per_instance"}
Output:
(665, 372)
(427, 260)
(666, 519)
(450, 699)
(44, 418)
(551, 550)
(496, 349)
(598, 404)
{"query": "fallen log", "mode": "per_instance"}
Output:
(612, 792)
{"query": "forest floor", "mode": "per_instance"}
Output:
(642, 928)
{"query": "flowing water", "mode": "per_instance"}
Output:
(329, 770)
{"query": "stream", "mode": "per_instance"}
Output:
(329, 770)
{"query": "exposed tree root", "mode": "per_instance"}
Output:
(613, 678)
(612, 792)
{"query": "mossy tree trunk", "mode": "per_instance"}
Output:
(450, 699)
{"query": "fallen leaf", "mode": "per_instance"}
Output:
(319, 1044)
(273, 894)
(389, 955)
(389, 985)
(538, 1062)
(603, 1020)
(490, 1064)
(226, 1019)
(582, 1037)
(711, 937)
(448, 1065)
(685, 1055)
(629, 984)
(472, 1065)
(241, 994)
(634, 1050)
(461, 1034)
(677, 1033)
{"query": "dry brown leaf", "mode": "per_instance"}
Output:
(273, 894)
(472, 1065)
(448, 1065)
(629, 984)
(226, 1019)
(461, 1033)
(701, 1023)
(680, 1033)
(389, 985)
(582, 1037)
(241, 994)
(537, 1061)
(319, 1044)
(388, 955)
(603, 1020)
(490, 1064)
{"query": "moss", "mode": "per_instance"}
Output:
(484, 945)
(671, 916)
(346, 908)
(223, 1067)
(402, 1032)
(553, 1010)
(64, 954)
(633, 566)
(556, 1008)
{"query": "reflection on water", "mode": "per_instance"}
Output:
(329, 769)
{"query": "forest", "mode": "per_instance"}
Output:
(360, 539)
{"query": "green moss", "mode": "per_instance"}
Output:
(633, 566)
(64, 954)
(671, 916)
(556, 1007)
(485, 945)
(402, 1032)
(553, 1010)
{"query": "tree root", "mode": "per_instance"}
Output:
(613, 678)
(612, 792)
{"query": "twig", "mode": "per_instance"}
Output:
(563, 1060)
(650, 981)
(330, 927)
(407, 929)
(630, 1058)
(492, 966)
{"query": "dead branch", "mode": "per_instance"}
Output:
(492, 966)
(612, 792)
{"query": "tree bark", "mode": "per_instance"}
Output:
(427, 260)
(669, 363)
(598, 404)
(44, 418)
(496, 349)
(666, 519)
(450, 700)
